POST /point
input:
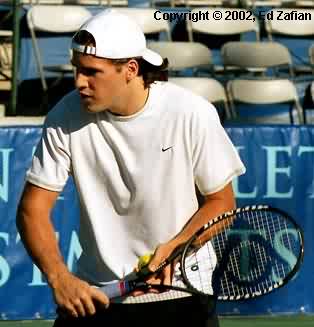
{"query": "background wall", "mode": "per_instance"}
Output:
(280, 172)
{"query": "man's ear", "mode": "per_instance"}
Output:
(132, 69)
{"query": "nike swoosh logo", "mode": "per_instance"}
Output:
(165, 149)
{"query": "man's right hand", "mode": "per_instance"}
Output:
(75, 297)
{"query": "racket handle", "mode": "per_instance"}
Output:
(116, 289)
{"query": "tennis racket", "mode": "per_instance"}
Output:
(239, 255)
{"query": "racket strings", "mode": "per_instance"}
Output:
(253, 244)
(246, 255)
(282, 238)
(199, 266)
(267, 267)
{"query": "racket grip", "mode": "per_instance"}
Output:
(116, 289)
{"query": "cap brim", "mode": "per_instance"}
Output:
(152, 57)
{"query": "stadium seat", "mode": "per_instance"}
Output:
(304, 3)
(308, 103)
(146, 20)
(184, 55)
(297, 27)
(214, 33)
(264, 93)
(256, 58)
(188, 3)
(54, 19)
(108, 3)
(222, 26)
(311, 56)
(209, 88)
(42, 2)
(252, 4)
(5, 56)
(296, 34)
(5, 69)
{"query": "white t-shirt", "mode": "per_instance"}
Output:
(135, 175)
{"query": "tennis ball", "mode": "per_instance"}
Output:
(144, 260)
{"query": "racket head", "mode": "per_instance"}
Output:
(264, 256)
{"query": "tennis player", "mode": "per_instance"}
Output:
(137, 150)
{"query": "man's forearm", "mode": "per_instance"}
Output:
(202, 216)
(39, 239)
(73, 296)
(214, 206)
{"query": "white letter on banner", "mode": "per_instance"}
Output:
(37, 278)
(37, 275)
(4, 267)
(272, 171)
(307, 149)
(235, 183)
(33, 150)
(4, 188)
(75, 250)
(282, 251)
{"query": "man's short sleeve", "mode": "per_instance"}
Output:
(51, 163)
(215, 160)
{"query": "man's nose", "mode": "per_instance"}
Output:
(80, 80)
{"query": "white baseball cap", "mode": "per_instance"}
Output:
(117, 37)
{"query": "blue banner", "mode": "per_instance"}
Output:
(280, 172)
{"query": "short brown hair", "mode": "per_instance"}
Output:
(149, 72)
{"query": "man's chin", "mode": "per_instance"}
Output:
(93, 108)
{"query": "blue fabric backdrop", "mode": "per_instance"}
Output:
(280, 172)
